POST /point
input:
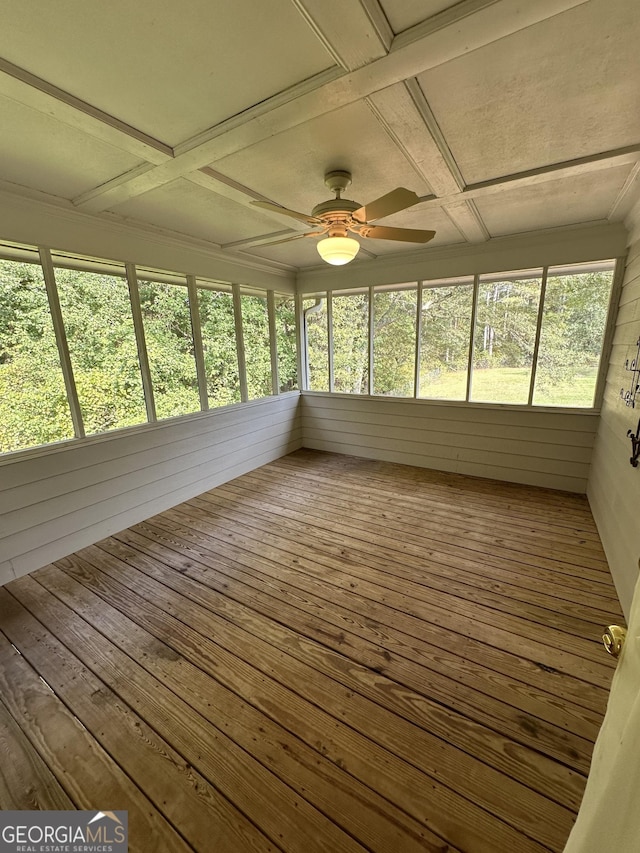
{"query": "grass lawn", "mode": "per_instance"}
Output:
(510, 385)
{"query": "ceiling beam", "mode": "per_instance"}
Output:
(627, 197)
(34, 92)
(554, 172)
(353, 33)
(470, 25)
(466, 217)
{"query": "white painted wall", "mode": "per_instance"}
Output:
(60, 498)
(37, 220)
(541, 447)
(614, 485)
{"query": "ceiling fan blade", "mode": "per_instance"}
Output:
(405, 235)
(275, 208)
(396, 200)
(289, 239)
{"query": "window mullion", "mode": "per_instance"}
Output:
(273, 341)
(196, 330)
(416, 377)
(371, 319)
(301, 344)
(330, 339)
(474, 314)
(61, 342)
(536, 346)
(141, 343)
(242, 364)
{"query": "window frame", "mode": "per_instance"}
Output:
(48, 259)
(616, 265)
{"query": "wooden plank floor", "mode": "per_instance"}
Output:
(327, 654)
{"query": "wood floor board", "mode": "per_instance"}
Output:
(26, 782)
(513, 585)
(413, 576)
(245, 791)
(328, 653)
(416, 749)
(312, 684)
(432, 502)
(283, 577)
(353, 806)
(473, 492)
(535, 567)
(534, 722)
(537, 643)
(430, 517)
(412, 545)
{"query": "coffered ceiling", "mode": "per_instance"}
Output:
(504, 116)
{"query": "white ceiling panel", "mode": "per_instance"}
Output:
(560, 90)
(168, 68)
(403, 14)
(429, 218)
(289, 168)
(191, 209)
(40, 152)
(584, 198)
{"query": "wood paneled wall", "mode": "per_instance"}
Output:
(614, 485)
(58, 500)
(551, 449)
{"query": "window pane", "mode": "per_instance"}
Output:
(504, 338)
(351, 343)
(219, 346)
(394, 342)
(99, 327)
(444, 341)
(33, 400)
(167, 326)
(575, 315)
(257, 351)
(286, 344)
(317, 345)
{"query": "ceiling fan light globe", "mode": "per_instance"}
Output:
(338, 250)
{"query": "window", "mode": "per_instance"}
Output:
(394, 342)
(33, 399)
(317, 336)
(255, 331)
(286, 344)
(98, 323)
(505, 336)
(573, 325)
(444, 340)
(219, 347)
(167, 326)
(106, 336)
(528, 337)
(350, 314)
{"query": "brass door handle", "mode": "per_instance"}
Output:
(613, 639)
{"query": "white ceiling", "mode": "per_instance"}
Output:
(503, 116)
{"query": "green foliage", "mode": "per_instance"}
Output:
(169, 339)
(255, 331)
(317, 346)
(99, 329)
(394, 317)
(219, 344)
(33, 402)
(572, 333)
(351, 343)
(444, 340)
(286, 344)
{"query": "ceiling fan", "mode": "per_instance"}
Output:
(338, 216)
